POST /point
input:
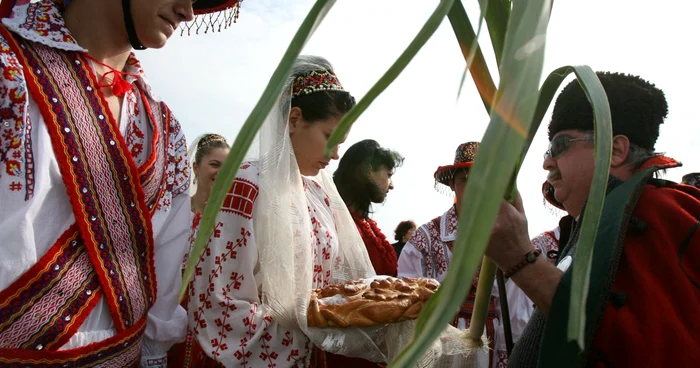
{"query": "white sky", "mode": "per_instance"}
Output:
(213, 81)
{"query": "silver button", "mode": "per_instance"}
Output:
(7, 124)
(112, 143)
(88, 292)
(56, 267)
(93, 218)
(89, 89)
(102, 246)
(67, 318)
(75, 158)
(67, 130)
(101, 117)
(85, 190)
(77, 62)
(39, 347)
(54, 100)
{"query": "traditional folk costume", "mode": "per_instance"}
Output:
(229, 322)
(277, 236)
(94, 212)
(644, 296)
(428, 254)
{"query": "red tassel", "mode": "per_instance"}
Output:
(118, 84)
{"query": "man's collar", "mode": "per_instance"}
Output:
(42, 22)
(448, 225)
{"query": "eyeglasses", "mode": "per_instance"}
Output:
(561, 143)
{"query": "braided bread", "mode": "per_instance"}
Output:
(369, 302)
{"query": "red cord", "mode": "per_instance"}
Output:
(118, 84)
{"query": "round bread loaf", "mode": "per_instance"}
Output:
(369, 302)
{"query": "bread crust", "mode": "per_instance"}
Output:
(369, 302)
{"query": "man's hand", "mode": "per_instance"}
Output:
(510, 241)
(508, 246)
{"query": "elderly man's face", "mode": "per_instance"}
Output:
(570, 162)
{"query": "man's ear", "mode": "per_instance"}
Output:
(295, 120)
(620, 150)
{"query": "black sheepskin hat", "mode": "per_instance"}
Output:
(637, 107)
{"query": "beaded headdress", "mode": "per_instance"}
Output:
(210, 138)
(314, 82)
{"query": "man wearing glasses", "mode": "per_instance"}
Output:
(644, 292)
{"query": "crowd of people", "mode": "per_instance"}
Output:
(88, 151)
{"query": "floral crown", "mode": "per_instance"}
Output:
(314, 82)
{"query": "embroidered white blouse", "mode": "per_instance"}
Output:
(34, 206)
(226, 316)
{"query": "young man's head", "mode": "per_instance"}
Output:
(143, 24)
(637, 107)
(455, 176)
(364, 174)
(139, 24)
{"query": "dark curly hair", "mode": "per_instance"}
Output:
(351, 177)
(637, 107)
(403, 228)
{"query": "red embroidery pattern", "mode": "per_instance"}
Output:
(240, 198)
(547, 241)
(177, 174)
(41, 19)
(204, 298)
(427, 241)
(135, 138)
(16, 158)
(230, 323)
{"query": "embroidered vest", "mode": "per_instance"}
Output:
(109, 250)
